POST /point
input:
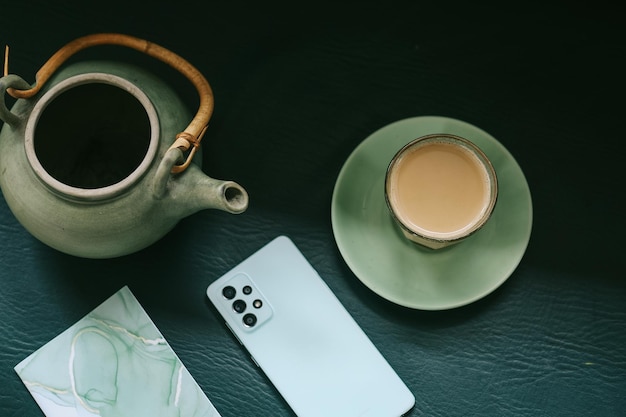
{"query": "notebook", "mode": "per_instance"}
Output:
(114, 362)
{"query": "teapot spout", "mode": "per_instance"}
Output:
(193, 191)
(227, 196)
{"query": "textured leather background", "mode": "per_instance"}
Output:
(297, 87)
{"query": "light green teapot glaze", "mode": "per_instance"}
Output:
(86, 164)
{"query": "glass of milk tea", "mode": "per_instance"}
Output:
(440, 189)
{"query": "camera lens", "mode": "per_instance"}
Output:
(247, 289)
(239, 306)
(229, 292)
(249, 320)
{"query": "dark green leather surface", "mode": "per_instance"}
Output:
(298, 86)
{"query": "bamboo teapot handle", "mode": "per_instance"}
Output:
(187, 140)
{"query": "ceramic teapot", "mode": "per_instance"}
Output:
(95, 158)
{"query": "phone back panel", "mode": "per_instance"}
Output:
(304, 340)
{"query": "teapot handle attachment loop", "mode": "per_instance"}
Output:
(7, 82)
(188, 140)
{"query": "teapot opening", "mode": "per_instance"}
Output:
(92, 135)
(80, 134)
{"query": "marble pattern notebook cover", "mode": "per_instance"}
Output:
(114, 362)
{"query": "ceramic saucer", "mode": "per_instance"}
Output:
(403, 272)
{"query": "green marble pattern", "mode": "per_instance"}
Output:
(113, 363)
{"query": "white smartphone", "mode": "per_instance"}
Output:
(304, 340)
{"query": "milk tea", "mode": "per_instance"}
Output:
(441, 187)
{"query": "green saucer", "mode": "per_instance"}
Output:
(403, 272)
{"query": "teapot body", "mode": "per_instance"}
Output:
(79, 163)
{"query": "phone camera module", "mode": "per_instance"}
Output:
(239, 306)
(247, 290)
(249, 320)
(229, 292)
